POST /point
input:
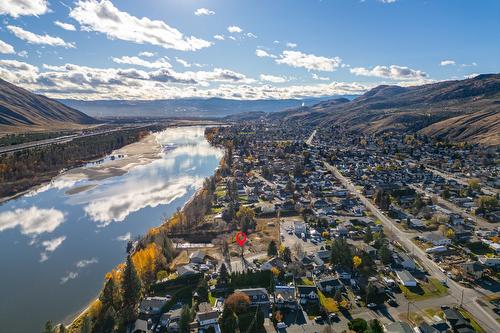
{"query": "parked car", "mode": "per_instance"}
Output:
(281, 325)
(333, 317)
(319, 320)
(371, 305)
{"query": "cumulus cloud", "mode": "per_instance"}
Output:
(33, 38)
(203, 11)
(102, 16)
(53, 244)
(16, 8)
(291, 45)
(183, 62)
(18, 72)
(263, 54)
(447, 63)
(159, 63)
(124, 238)
(65, 26)
(273, 78)
(219, 37)
(309, 61)
(251, 35)
(6, 48)
(31, 221)
(234, 29)
(393, 72)
(147, 54)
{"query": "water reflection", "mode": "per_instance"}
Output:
(57, 242)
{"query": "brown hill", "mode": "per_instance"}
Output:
(464, 110)
(21, 109)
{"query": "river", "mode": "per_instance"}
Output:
(57, 242)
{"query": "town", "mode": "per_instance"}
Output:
(345, 233)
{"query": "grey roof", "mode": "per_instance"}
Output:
(398, 327)
(405, 276)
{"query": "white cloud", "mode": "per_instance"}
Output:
(16, 8)
(473, 64)
(273, 78)
(470, 76)
(183, 62)
(263, 54)
(53, 244)
(147, 54)
(32, 38)
(388, 1)
(447, 63)
(219, 37)
(105, 18)
(31, 221)
(6, 48)
(159, 63)
(124, 238)
(291, 45)
(309, 61)
(69, 276)
(86, 262)
(320, 78)
(251, 35)
(23, 54)
(234, 29)
(393, 72)
(204, 11)
(65, 26)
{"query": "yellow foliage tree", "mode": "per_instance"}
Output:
(146, 262)
(356, 261)
(276, 272)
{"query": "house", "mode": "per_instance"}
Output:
(489, 261)
(474, 269)
(436, 239)
(343, 274)
(207, 319)
(406, 278)
(370, 250)
(457, 322)
(299, 227)
(323, 254)
(307, 294)
(258, 296)
(151, 306)
(284, 297)
(416, 223)
(142, 326)
(197, 257)
(273, 262)
(403, 260)
(186, 270)
(329, 285)
(398, 327)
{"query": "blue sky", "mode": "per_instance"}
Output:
(150, 49)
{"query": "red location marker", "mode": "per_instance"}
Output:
(241, 238)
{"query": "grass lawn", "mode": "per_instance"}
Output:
(307, 282)
(473, 322)
(328, 303)
(211, 299)
(431, 312)
(433, 288)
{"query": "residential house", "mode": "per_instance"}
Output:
(284, 297)
(273, 262)
(490, 261)
(436, 239)
(475, 270)
(151, 306)
(406, 278)
(299, 227)
(329, 284)
(457, 322)
(206, 320)
(197, 257)
(307, 294)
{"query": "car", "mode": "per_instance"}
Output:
(444, 307)
(319, 320)
(371, 305)
(392, 302)
(281, 325)
(333, 317)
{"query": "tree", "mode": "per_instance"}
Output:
(272, 249)
(358, 325)
(48, 328)
(86, 325)
(185, 319)
(341, 253)
(338, 296)
(130, 290)
(450, 233)
(228, 321)
(356, 261)
(474, 184)
(276, 271)
(371, 293)
(202, 291)
(223, 274)
(368, 235)
(161, 275)
(61, 329)
(375, 326)
(237, 302)
(385, 254)
(246, 218)
(107, 296)
(287, 255)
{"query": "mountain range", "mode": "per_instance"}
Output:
(461, 110)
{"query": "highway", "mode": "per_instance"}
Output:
(463, 295)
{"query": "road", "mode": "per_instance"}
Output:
(61, 139)
(310, 139)
(463, 295)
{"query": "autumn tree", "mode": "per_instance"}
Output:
(237, 302)
(246, 218)
(356, 261)
(147, 261)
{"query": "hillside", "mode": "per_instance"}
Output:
(465, 110)
(24, 110)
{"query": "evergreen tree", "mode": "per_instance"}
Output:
(223, 274)
(368, 235)
(385, 254)
(376, 327)
(48, 327)
(86, 325)
(202, 290)
(272, 249)
(107, 296)
(130, 290)
(184, 320)
(287, 255)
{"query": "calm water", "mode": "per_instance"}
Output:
(55, 248)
